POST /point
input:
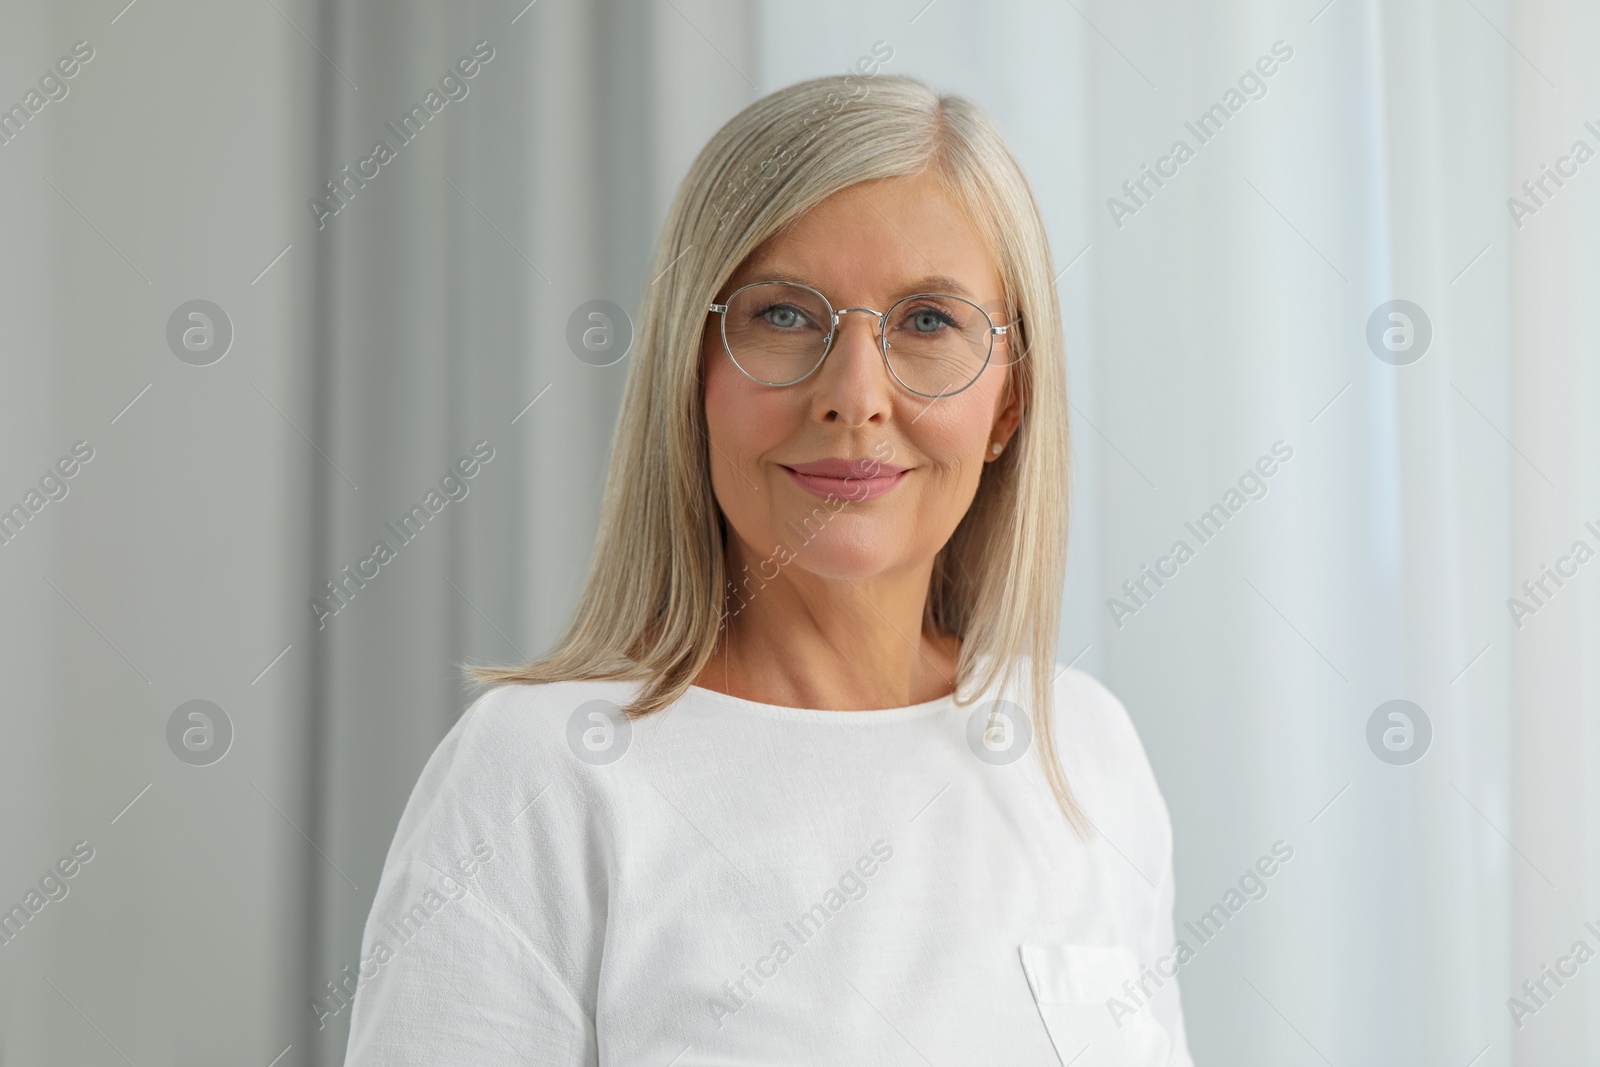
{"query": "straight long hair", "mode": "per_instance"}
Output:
(653, 602)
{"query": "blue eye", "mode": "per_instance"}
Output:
(783, 316)
(926, 320)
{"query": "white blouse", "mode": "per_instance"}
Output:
(730, 882)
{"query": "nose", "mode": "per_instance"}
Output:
(853, 385)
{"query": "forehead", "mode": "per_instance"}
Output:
(881, 239)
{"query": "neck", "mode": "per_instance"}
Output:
(800, 639)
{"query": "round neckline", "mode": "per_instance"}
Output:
(784, 711)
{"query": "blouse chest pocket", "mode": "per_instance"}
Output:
(1072, 985)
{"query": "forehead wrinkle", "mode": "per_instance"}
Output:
(767, 262)
(932, 283)
(907, 241)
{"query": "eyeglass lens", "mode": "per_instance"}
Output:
(778, 333)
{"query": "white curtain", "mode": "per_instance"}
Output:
(1211, 318)
(1231, 312)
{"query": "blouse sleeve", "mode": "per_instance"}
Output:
(1168, 1004)
(1101, 747)
(464, 958)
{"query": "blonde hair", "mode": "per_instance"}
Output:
(653, 601)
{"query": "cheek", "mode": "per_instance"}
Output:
(745, 424)
(744, 420)
(955, 433)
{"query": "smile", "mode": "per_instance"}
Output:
(864, 483)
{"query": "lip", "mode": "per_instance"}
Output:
(847, 479)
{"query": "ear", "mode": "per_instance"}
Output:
(1008, 416)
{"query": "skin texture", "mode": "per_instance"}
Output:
(835, 622)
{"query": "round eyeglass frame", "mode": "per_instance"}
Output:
(833, 329)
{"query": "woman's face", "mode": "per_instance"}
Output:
(866, 246)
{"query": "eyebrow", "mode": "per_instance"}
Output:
(940, 283)
(932, 283)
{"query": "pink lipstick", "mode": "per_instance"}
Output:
(848, 479)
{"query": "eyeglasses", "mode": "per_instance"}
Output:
(934, 344)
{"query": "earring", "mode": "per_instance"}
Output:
(996, 448)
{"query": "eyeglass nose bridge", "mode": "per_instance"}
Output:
(874, 312)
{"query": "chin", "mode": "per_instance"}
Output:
(850, 548)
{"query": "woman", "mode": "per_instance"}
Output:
(766, 800)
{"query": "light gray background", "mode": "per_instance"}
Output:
(1228, 313)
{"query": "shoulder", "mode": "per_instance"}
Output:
(511, 744)
(513, 727)
(1092, 734)
(1106, 763)
(497, 866)
(1094, 722)
(535, 713)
